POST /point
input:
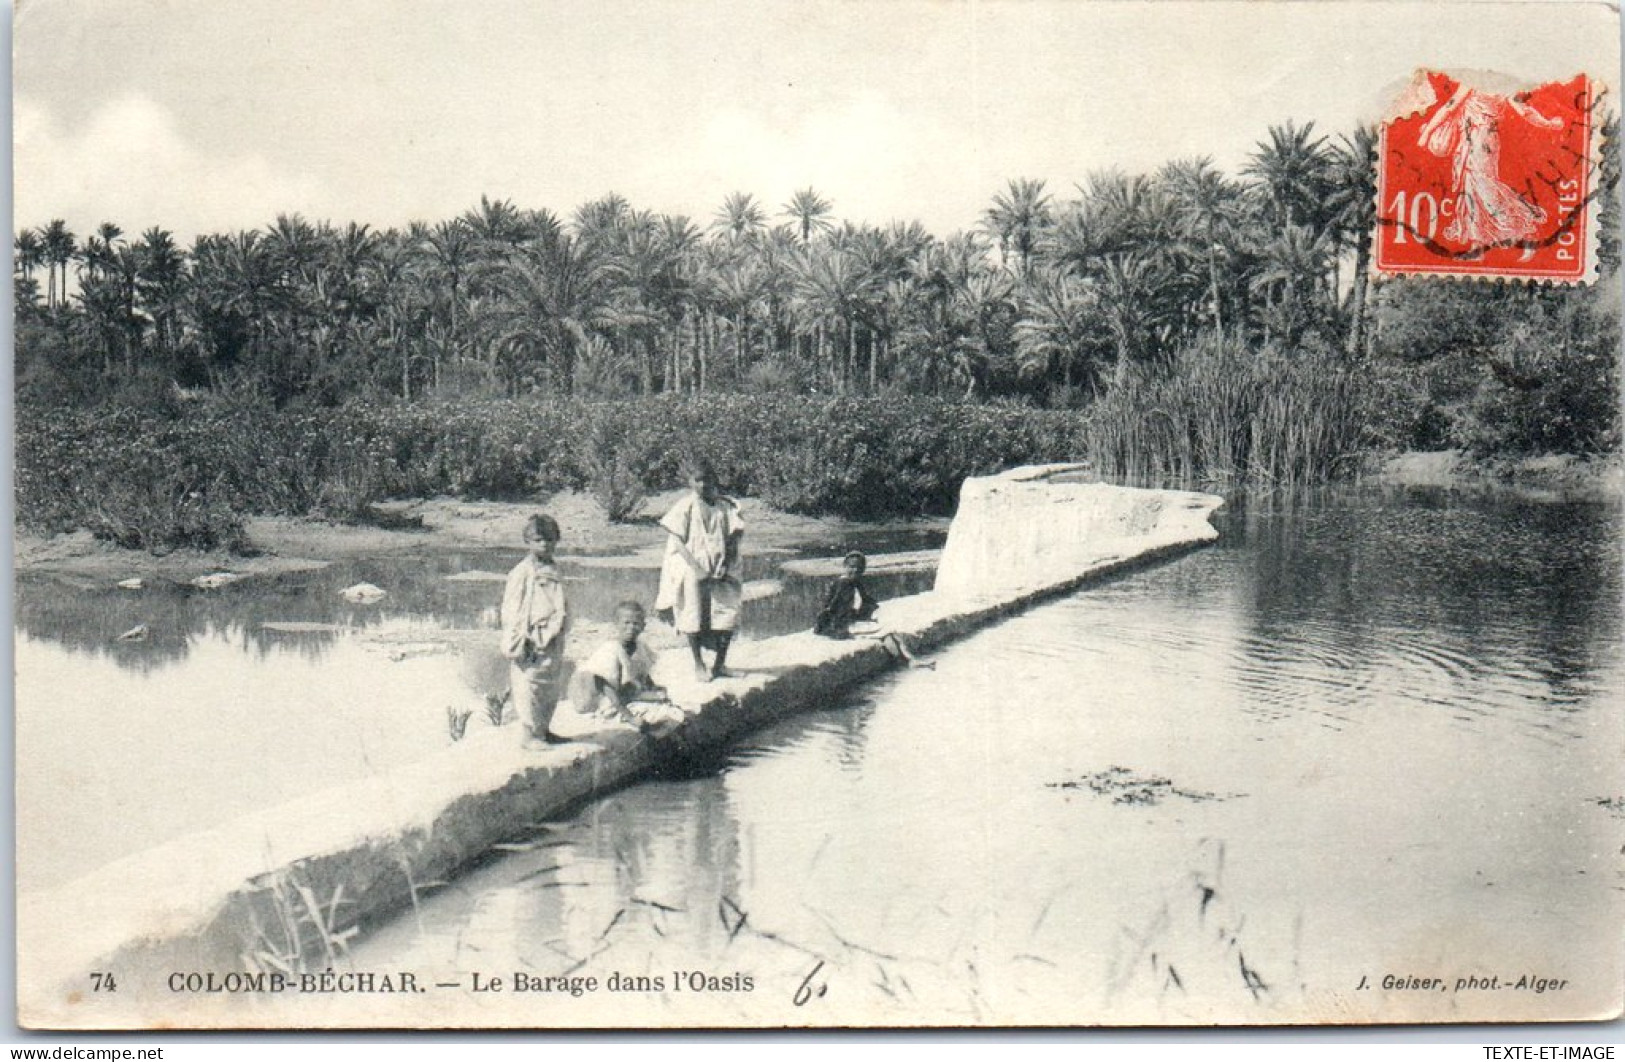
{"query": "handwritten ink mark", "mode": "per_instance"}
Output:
(807, 991)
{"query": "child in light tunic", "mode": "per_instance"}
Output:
(535, 619)
(699, 580)
(615, 683)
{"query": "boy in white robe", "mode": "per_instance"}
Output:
(699, 578)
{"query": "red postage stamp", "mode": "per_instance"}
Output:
(1474, 183)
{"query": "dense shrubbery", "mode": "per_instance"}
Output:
(152, 480)
(1498, 370)
(133, 480)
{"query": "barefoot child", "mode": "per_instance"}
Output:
(614, 682)
(699, 578)
(534, 622)
(849, 610)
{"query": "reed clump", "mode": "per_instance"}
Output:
(1221, 412)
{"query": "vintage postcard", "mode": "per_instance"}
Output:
(911, 513)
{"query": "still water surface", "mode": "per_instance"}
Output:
(1373, 733)
(218, 711)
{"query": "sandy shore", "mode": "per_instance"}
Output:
(285, 544)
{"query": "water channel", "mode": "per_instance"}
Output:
(1371, 731)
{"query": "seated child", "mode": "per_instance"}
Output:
(614, 682)
(849, 610)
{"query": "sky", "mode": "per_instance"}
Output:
(215, 115)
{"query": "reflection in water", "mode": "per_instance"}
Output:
(214, 714)
(421, 592)
(1372, 733)
(1507, 610)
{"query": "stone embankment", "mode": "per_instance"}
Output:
(288, 887)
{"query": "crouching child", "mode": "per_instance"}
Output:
(614, 683)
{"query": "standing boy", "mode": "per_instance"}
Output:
(534, 622)
(699, 579)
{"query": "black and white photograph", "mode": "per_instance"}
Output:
(923, 514)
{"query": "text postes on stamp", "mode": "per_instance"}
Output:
(1475, 183)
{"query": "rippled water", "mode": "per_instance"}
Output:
(1366, 733)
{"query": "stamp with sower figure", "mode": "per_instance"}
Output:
(1480, 183)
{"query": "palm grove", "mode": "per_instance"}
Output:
(1195, 323)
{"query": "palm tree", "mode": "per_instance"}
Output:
(105, 298)
(28, 252)
(1207, 207)
(1292, 263)
(735, 288)
(1116, 215)
(739, 217)
(548, 298)
(125, 268)
(99, 251)
(449, 248)
(1352, 205)
(161, 285)
(888, 256)
(1293, 166)
(678, 288)
(946, 298)
(1057, 327)
(294, 246)
(809, 211)
(778, 254)
(542, 223)
(831, 294)
(299, 316)
(28, 255)
(231, 300)
(1018, 218)
(344, 305)
(95, 257)
(646, 274)
(59, 247)
(394, 274)
(497, 223)
(1080, 238)
(1129, 293)
(1135, 211)
(603, 220)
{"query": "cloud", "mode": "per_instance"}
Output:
(131, 163)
